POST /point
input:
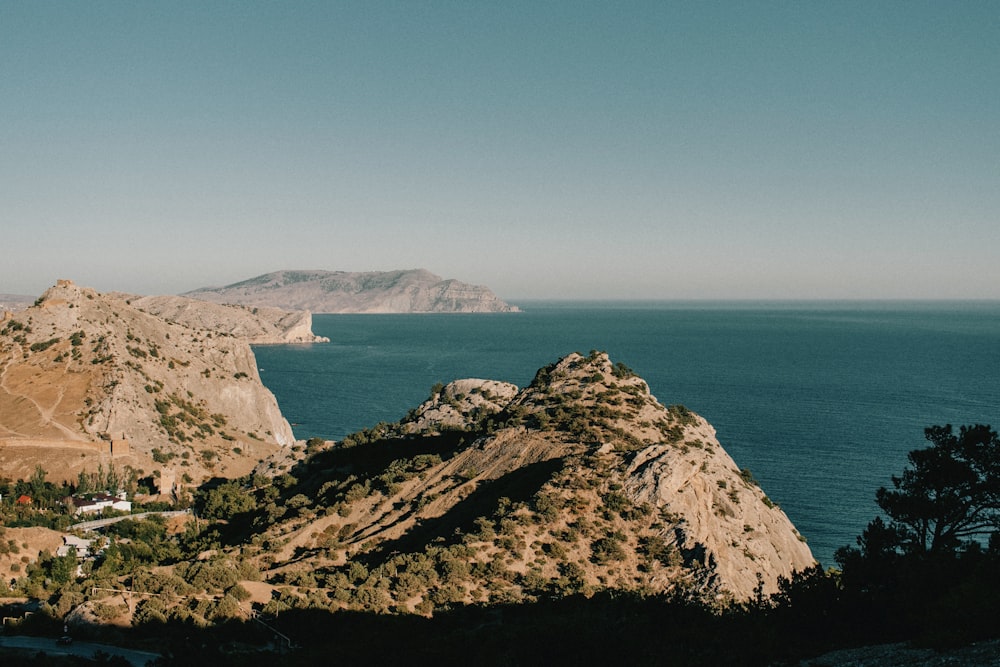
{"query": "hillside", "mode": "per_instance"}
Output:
(257, 326)
(149, 382)
(408, 291)
(579, 483)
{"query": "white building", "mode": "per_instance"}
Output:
(71, 542)
(98, 502)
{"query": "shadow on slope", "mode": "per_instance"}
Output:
(518, 486)
(605, 629)
(373, 457)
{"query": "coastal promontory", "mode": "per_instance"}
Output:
(152, 382)
(485, 493)
(404, 291)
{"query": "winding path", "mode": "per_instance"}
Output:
(101, 523)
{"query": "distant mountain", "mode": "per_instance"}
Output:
(406, 291)
(15, 302)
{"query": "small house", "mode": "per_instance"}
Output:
(98, 502)
(73, 543)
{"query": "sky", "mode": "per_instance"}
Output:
(566, 150)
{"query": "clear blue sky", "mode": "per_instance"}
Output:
(545, 149)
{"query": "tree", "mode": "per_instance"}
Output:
(924, 574)
(37, 482)
(225, 501)
(949, 495)
(83, 482)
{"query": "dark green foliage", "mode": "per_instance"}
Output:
(949, 494)
(925, 574)
(605, 628)
(12, 326)
(42, 346)
(608, 548)
(621, 371)
(212, 576)
(51, 570)
(224, 501)
(185, 420)
(682, 415)
(367, 436)
(145, 541)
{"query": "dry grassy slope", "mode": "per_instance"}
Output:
(82, 364)
(22, 546)
(607, 488)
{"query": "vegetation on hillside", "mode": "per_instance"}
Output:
(549, 561)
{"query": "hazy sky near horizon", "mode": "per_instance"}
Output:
(655, 150)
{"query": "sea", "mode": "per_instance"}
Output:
(820, 401)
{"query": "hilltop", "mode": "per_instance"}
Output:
(149, 382)
(405, 291)
(487, 493)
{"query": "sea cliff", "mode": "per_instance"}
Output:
(87, 378)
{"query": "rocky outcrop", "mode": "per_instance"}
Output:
(460, 405)
(140, 380)
(256, 325)
(581, 481)
(410, 291)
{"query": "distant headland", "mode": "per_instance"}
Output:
(403, 291)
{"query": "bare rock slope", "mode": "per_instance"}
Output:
(85, 377)
(257, 325)
(579, 482)
(409, 291)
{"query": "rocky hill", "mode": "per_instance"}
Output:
(580, 482)
(409, 291)
(150, 382)
(257, 325)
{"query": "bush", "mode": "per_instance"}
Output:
(225, 501)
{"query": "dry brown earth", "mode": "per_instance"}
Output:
(28, 543)
(89, 378)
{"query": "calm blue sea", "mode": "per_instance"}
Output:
(821, 401)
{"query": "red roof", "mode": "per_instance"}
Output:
(24, 500)
(94, 499)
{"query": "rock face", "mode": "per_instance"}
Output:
(459, 404)
(257, 326)
(88, 377)
(411, 291)
(579, 482)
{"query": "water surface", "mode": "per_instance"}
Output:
(821, 401)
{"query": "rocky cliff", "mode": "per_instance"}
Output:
(255, 325)
(88, 377)
(581, 481)
(411, 291)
